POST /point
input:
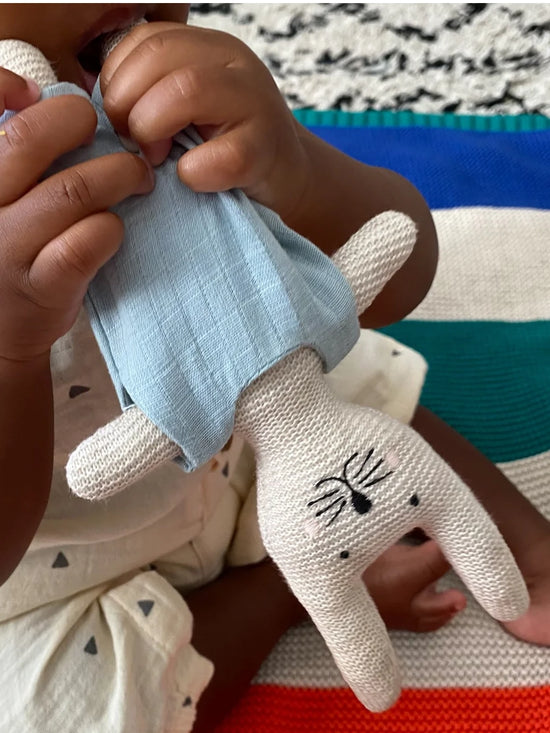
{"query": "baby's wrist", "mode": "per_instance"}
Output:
(297, 210)
(21, 365)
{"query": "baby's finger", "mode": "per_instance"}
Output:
(124, 48)
(157, 152)
(228, 161)
(69, 196)
(180, 95)
(36, 137)
(15, 92)
(67, 264)
(150, 53)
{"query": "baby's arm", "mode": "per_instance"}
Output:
(238, 619)
(340, 194)
(54, 235)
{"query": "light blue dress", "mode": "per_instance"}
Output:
(207, 292)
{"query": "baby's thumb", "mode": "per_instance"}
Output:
(16, 93)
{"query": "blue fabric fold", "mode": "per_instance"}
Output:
(207, 292)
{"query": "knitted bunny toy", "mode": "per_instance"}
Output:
(337, 483)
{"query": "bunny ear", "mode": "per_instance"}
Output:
(353, 630)
(374, 254)
(117, 455)
(477, 551)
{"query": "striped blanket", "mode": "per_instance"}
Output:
(485, 331)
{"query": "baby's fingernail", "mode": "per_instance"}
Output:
(33, 87)
(157, 152)
(148, 183)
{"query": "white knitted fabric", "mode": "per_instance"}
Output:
(337, 485)
(26, 60)
(117, 455)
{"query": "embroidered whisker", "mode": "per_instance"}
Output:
(373, 469)
(367, 459)
(342, 505)
(326, 509)
(378, 479)
(325, 496)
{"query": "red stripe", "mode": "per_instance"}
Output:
(273, 709)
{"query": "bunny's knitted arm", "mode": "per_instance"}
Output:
(117, 455)
(389, 240)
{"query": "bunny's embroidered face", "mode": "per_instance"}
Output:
(366, 491)
(350, 487)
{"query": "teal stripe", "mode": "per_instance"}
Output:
(385, 118)
(489, 380)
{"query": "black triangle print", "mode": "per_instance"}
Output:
(187, 702)
(60, 561)
(77, 389)
(146, 606)
(91, 647)
(225, 470)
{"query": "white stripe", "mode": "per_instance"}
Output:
(472, 651)
(494, 265)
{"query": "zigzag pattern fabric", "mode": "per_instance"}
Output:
(484, 329)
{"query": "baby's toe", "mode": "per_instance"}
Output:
(434, 609)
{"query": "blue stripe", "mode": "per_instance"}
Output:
(456, 167)
(489, 380)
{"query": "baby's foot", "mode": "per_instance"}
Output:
(534, 626)
(402, 584)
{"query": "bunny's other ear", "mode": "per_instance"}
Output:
(358, 640)
(475, 548)
(374, 254)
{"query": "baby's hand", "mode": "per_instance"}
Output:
(54, 234)
(165, 76)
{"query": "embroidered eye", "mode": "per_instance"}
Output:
(344, 554)
(414, 500)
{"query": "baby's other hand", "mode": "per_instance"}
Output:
(165, 76)
(55, 233)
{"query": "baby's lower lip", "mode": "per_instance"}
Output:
(88, 80)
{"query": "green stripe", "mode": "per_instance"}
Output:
(377, 118)
(489, 380)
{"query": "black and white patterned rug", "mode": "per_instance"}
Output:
(473, 58)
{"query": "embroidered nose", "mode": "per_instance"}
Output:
(360, 502)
